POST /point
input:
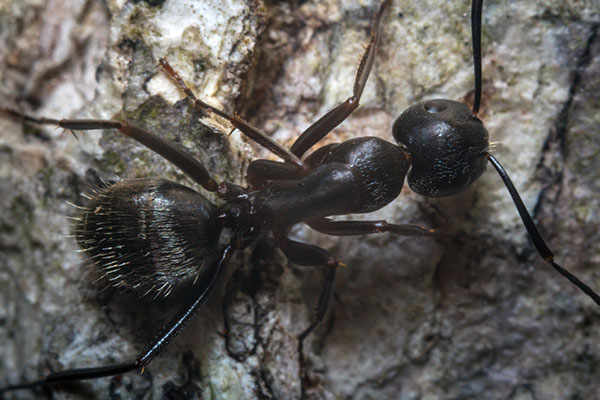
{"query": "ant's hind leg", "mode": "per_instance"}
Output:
(164, 337)
(333, 118)
(172, 153)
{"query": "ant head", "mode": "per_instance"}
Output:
(447, 144)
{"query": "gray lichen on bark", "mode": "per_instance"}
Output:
(471, 315)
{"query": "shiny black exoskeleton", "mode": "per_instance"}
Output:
(150, 236)
(447, 144)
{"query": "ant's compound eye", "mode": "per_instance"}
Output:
(447, 145)
(435, 106)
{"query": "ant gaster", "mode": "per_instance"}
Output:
(152, 236)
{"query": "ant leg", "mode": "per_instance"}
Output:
(333, 118)
(244, 126)
(307, 255)
(346, 228)
(164, 337)
(172, 153)
(260, 171)
(535, 235)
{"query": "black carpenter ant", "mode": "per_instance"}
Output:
(137, 230)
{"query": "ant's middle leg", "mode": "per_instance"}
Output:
(172, 153)
(308, 255)
(260, 171)
(244, 126)
(333, 118)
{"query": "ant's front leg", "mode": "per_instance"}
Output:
(347, 228)
(260, 171)
(333, 118)
(169, 151)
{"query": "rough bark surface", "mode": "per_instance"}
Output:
(472, 315)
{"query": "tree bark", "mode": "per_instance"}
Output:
(472, 314)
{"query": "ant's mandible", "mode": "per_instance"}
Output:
(137, 231)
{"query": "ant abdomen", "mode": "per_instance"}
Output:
(148, 236)
(447, 145)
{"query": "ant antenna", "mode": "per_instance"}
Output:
(536, 237)
(476, 33)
